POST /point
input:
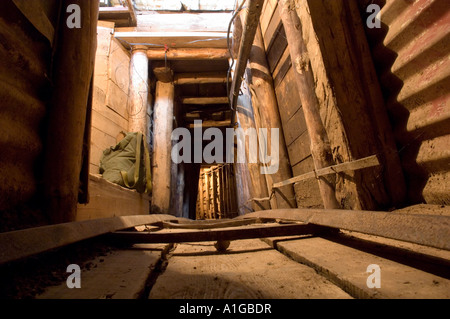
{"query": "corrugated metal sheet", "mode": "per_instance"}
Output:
(411, 52)
(24, 59)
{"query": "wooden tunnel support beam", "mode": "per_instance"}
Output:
(250, 24)
(188, 54)
(265, 103)
(246, 120)
(204, 100)
(200, 78)
(73, 70)
(138, 91)
(320, 145)
(162, 145)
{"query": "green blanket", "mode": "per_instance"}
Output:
(128, 163)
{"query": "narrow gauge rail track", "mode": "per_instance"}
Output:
(308, 253)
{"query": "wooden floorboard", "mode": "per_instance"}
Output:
(123, 274)
(346, 265)
(250, 269)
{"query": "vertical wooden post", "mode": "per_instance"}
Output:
(207, 193)
(162, 160)
(138, 90)
(246, 120)
(320, 145)
(181, 184)
(72, 73)
(215, 194)
(265, 102)
(201, 196)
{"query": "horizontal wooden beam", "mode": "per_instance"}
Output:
(428, 230)
(236, 233)
(174, 39)
(205, 100)
(28, 242)
(367, 162)
(118, 10)
(188, 54)
(207, 224)
(209, 124)
(200, 78)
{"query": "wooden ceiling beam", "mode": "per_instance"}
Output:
(200, 78)
(175, 39)
(188, 54)
(204, 100)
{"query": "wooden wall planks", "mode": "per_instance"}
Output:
(110, 100)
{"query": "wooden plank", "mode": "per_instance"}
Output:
(282, 68)
(252, 270)
(122, 274)
(268, 11)
(367, 162)
(428, 230)
(213, 225)
(200, 78)
(289, 102)
(204, 100)
(111, 200)
(175, 39)
(235, 233)
(294, 128)
(299, 149)
(272, 30)
(188, 54)
(307, 192)
(331, 259)
(277, 50)
(28, 242)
